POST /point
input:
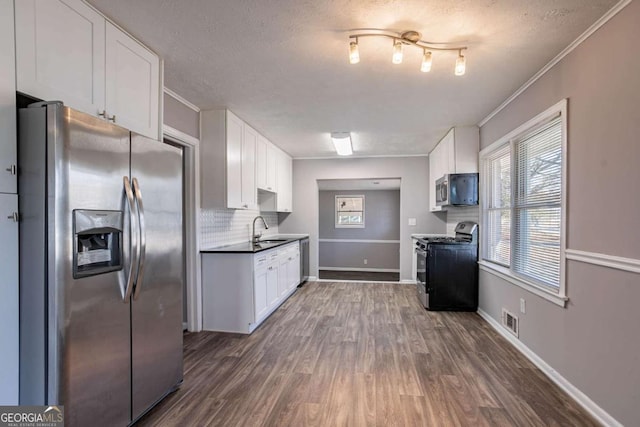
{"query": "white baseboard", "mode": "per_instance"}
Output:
(369, 282)
(408, 281)
(374, 270)
(583, 400)
(184, 326)
(312, 279)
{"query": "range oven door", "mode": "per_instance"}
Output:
(421, 277)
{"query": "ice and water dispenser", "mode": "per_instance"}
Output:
(97, 242)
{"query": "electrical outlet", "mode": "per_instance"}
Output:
(523, 306)
(365, 261)
(413, 222)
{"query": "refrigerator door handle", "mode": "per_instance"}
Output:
(133, 223)
(143, 241)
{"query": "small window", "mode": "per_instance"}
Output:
(349, 211)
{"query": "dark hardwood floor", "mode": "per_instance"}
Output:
(351, 354)
(368, 276)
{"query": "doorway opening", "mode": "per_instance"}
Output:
(359, 229)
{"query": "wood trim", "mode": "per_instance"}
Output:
(577, 42)
(375, 270)
(193, 273)
(357, 241)
(506, 275)
(619, 263)
(181, 100)
(336, 157)
(583, 400)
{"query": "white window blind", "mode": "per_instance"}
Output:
(522, 206)
(538, 202)
(497, 170)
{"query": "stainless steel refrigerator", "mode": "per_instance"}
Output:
(101, 266)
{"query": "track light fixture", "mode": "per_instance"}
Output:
(412, 38)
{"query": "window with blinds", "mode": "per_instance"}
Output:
(522, 210)
(349, 212)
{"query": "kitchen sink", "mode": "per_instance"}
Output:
(271, 241)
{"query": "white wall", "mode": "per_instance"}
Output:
(593, 342)
(414, 198)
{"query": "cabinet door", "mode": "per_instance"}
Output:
(234, 161)
(273, 274)
(132, 84)
(60, 52)
(283, 277)
(8, 145)
(9, 305)
(294, 269)
(260, 302)
(284, 183)
(272, 167)
(261, 162)
(448, 153)
(249, 141)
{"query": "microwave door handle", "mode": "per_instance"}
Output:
(133, 226)
(143, 239)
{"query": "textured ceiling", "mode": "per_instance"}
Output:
(282, 65)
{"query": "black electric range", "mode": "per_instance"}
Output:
(447, 270)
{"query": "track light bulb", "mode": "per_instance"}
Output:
(460, 65)
(354, 54)
(426, 62)
(397, 52)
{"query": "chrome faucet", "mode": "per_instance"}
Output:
(255, 237)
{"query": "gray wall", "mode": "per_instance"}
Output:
(593, 342)
(382, 216)
(180, 117)
(382, 222)
(414, 200)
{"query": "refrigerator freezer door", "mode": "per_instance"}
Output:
(157, 303)
(72, 161)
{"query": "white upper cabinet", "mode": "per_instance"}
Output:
(133, 83)
(8, 146)
(228, 161)
(60, 52)
(457, 152)
(67, 51)
(284, 183)
(249, 194)
(266, 165)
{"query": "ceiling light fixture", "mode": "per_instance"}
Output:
(460, 64)
(426, 62)
(354, 55)
(397, 52)
(412, 38)
(342, 143)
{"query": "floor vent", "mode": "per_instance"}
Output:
(510, 321)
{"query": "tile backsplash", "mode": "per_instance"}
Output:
(220, 227)
(457, 214)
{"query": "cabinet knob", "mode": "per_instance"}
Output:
(14, 216)
(112, 118)
(102, 114)
(12, 169)
(245, 206)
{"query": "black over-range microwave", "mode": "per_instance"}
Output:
(457, 189)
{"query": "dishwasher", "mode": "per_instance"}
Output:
(304, 261)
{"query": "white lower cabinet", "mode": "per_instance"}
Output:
(240, 290)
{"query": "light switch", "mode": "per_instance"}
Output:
(412, 221)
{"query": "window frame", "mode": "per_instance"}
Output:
(336, 211)
(508, 273)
